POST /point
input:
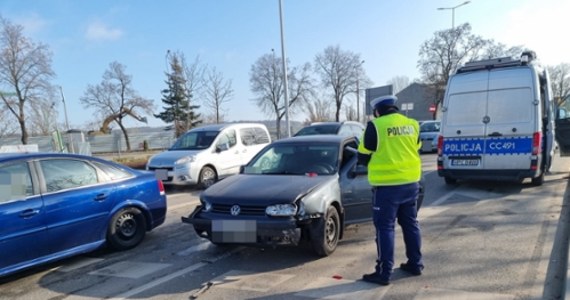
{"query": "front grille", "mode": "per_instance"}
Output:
(163, 168)
(245, 209)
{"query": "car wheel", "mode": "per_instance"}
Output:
(207, 177)
(126, 229)
(449, 180)
(538, 181)
(326, 232)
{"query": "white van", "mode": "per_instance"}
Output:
(497, 121)
(206, 154)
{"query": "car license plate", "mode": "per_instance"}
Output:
(465, 162)
(234, 231)
(161, 174)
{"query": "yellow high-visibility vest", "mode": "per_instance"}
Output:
(396, 160)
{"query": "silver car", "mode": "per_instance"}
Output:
(429, 131)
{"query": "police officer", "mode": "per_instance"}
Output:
(390, 147)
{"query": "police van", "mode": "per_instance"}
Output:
(497, 121)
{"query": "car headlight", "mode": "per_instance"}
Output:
(207, 206)
(301, 211)
(281, 210)
(185, 160)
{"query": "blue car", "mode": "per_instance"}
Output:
(55, 205)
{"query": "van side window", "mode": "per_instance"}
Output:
(261, 136)
(253, 136)
(228, 138)
(247, 136)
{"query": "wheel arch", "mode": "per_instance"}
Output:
(141, 206)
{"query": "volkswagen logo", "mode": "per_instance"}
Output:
(235, 210)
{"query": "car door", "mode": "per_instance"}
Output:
(563, 127)
(77, 207)
(227, 154)
(355, 190)
(23, 229)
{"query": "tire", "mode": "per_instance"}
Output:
(326, 232)
(127, 229)
(538, 181)
(449, 180)
(207, 177)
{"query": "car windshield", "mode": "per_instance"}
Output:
(296, 159)
(318, 129)
(429, 127)
(195, 140)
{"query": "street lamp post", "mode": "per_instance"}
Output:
(453, 12)
(69, 137)
(358, 91)
(284, 60)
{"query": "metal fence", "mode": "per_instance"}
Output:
(141, 139)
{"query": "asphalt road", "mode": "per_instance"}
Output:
(481, 240)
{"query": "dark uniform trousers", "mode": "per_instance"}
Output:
(391, 202)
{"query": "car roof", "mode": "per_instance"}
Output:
(331, 138)
(220, 127)
(334, 123)
(28, 155)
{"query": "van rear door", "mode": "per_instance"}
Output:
(563, 127)
(510, 120)
(462, 128)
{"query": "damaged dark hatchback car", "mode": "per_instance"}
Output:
(297, 189)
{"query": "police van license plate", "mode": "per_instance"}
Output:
(465, 162)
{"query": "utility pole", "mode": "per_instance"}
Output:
(285, 85)
(69, 134)
(358, 91)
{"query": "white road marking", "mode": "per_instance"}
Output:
(330, 288)
(79, 264)
(193, 249)
(445, 294)
(248, 281)
(130, 269)
(152, 284)
(181, 205)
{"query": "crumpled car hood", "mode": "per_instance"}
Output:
(262, 189)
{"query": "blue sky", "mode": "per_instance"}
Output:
(230, 35)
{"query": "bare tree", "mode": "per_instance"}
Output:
(560, 80)
(318, 110)
(266, 80)
(43, 119)
(7, 125)
(494, 49)
(194, 74)
(350, 112)
(399, 83)
(217, 92)
(341, 71)
(25, 72)
(448, 50)
(443, 54)
(116, 99)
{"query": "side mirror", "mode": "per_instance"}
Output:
(241, 169)
(358, 170)
(222, 147)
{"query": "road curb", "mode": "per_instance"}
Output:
(555, 286)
